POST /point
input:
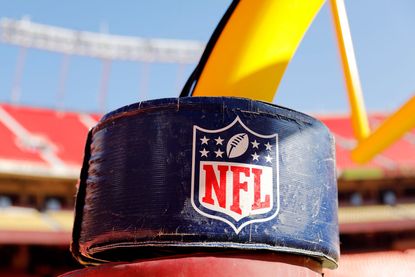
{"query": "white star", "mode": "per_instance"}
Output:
(268, 146)
(255, 144)
(218, 153)
(268, 158)
(204, 140)
(204, 153)
(255, 156)
(219, 141)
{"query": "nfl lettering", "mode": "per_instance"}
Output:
(235, 175)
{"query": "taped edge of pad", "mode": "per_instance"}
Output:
(203, 174)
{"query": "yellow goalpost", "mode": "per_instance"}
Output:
(255, 47)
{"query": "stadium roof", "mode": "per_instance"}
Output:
(44, 142)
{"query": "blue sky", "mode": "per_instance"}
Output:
(383, 33)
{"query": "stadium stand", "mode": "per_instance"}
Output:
(41, 154)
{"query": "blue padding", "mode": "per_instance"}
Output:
(206, 174)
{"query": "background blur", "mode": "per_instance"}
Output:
(62, 67)
(382, 31)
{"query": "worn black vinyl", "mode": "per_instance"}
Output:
(147, 185)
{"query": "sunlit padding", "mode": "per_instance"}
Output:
(390, 131)
(255, 47)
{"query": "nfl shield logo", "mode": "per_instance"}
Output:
(235, 175)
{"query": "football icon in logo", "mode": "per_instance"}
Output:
(237, 145)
